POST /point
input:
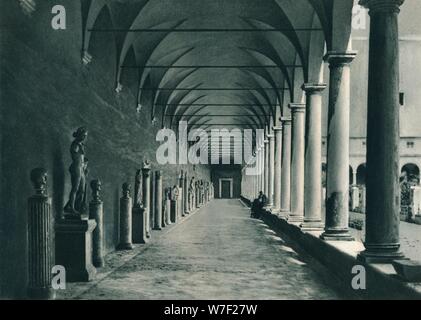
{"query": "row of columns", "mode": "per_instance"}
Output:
(293, 164)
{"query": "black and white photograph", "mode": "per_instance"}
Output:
(213, 157)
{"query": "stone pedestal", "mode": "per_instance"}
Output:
(40, 235)
(173, 211)
(146, 192)
(185, 195)
(74, 249)
(297, 162)
(96, 214)
(313, 158)
(139, 225)
(125, 220)
(158, 201)
(286, 168)
(383, 134)
(181, 194)
(337, 201)
(168, 211)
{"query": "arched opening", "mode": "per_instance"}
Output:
(411, 173)
(361, 174)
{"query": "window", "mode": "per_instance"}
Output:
(364, 143)
(410, 144)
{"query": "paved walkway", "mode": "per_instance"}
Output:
(219, 253)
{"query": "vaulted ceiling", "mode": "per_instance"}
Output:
(219, 63)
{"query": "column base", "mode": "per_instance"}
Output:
(275, 211)
(312, 226)
(74, 249)
(336, 235)
(295, 218)
(124, 246)
(283, 214)
(98, 262)
(380, 253)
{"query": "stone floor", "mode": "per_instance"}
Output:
(218, 253)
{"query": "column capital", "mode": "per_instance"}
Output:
(276, 129)
(286, 121)
(339, 59)
(313, 87)
(270, 136)
(265, 141)
(382, 6)
(297, 107)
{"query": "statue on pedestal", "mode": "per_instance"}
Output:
(78, 171)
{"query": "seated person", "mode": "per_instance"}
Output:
(257, 205)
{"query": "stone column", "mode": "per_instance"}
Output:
(258, 176)
(152, 202)
(146, 192)
(297, 162)
(96, 212)
(125, 237)
(181, 195)
(158, 200)
(277, 171)
(168, 206)
(271, 138)
(337, 191)
(382, 181)
(40, 235)
(266, 167)
(286, 167)
(313, 158)
(186, 194)
(262, 167)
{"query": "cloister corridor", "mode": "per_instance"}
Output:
(217, 253)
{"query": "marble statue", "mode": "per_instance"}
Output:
(174, 193)
(78, 170)
(96, 188)
(39, 180)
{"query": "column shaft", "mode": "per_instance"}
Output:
(313, 158)
(286, 167)
(277, 170)
(146, 192)
(383, 135)
(337, 191)
(271, 168)
(297, 162)
(266, 168)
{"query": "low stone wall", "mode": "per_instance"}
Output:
(340, 257)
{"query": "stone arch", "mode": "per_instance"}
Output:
(361, 174)
(411, 171)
